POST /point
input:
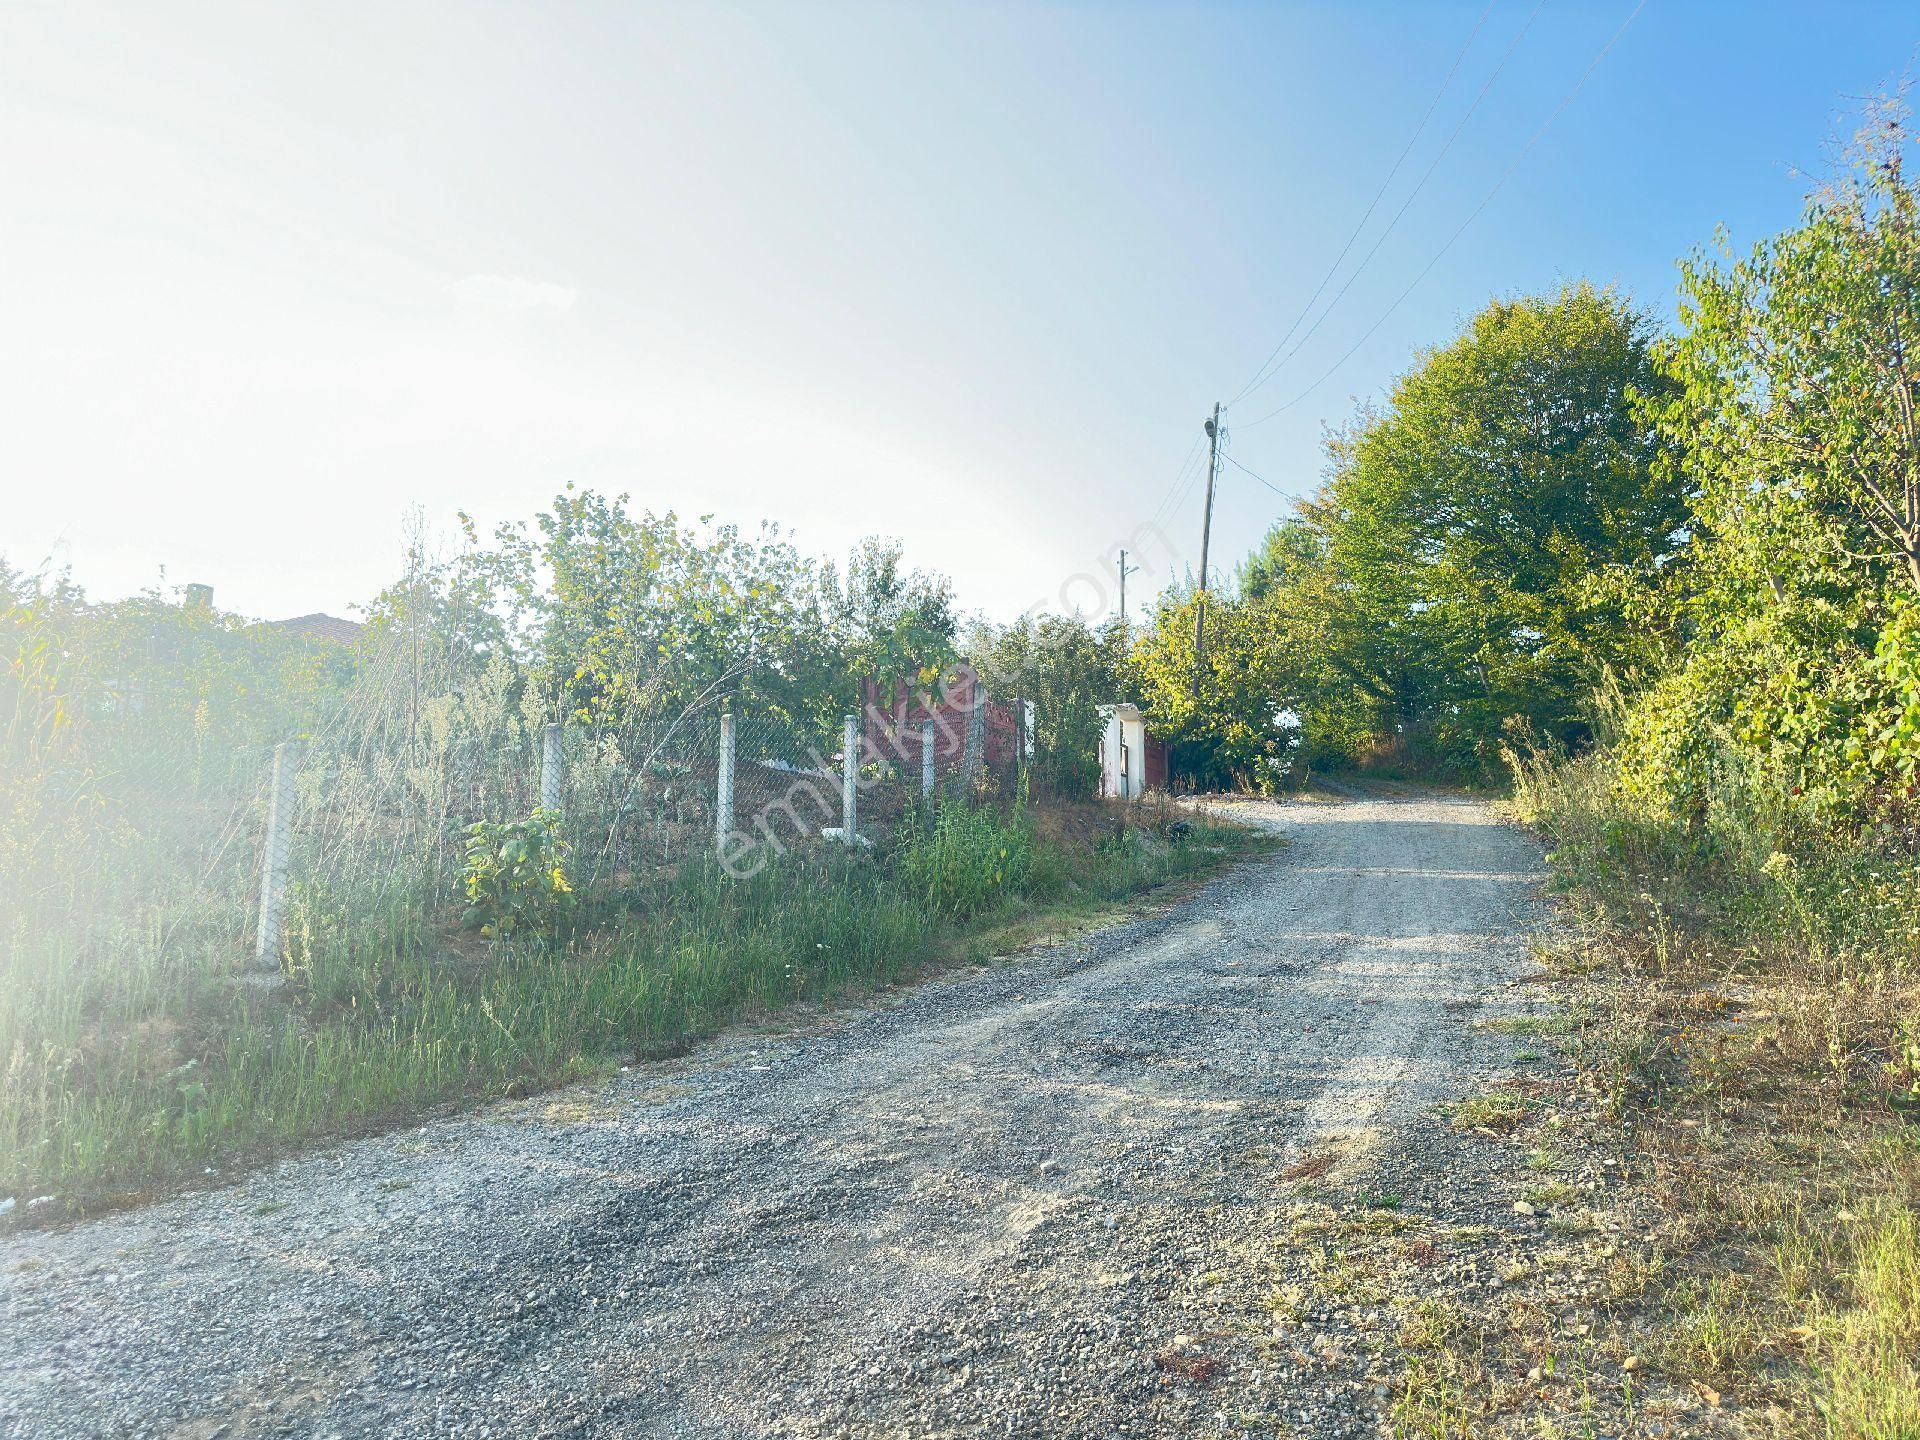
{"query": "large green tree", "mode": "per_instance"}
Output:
(1479, 531)
(1230, 718)
(623, 617)
(1068, 670)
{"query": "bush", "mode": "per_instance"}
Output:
(969, 857)
(516, 875)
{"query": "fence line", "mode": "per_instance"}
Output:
(741, 788)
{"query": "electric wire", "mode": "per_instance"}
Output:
(1260, 376)
(1176, 491)
(1405, 204)
(1485, 201)
(1257, 476)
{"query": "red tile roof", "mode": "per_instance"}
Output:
(322, 627)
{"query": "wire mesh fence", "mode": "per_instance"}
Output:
(350, 829)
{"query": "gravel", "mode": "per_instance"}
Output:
(1054, 1196)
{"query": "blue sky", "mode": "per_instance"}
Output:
(966, 275)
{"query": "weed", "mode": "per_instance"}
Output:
(1551, 1195)
(1560, 1022)
(1428, 1325)
(1499, 1112)
(1751, 1011)
(155, 1066)
(1310, 1167)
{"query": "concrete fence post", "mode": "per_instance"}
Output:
(976, 741)
(926, 759)
(551, 767)
(850, 780)
(278, 852)
(723, 789)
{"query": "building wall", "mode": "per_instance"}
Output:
(891, 717)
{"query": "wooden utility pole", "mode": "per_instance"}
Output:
(1125, 570)
(1206, 536)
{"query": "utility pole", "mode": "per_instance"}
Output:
(1125, 570)
(1206, 535)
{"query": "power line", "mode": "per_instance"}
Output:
(1261, 478)
(1485, 201)
(1183, 487)
(1259, 375)
(1412, 195)
(1168, 501)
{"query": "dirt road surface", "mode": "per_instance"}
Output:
(1049, 1197)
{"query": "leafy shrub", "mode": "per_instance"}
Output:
(967, 858)
(516, 875)
(1068, 671)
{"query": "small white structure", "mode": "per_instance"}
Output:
(1123, 753)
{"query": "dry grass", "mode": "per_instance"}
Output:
(1310, 1167)
(1752, 1028)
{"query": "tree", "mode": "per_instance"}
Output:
(893, 623)
(624, 616)
(1477, 533)
(1068, 670)
(1292, 551)
(1239, 726)
(1791, 419)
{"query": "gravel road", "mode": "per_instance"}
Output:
(1054, 1196)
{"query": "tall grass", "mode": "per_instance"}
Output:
(1763, 980)
(138, 1045)
(167, 1065)
(961, 858)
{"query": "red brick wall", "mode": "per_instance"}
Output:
(1156, 764)
(892, 717)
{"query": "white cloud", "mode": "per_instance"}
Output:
(513, 292)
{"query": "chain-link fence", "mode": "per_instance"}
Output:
(385, 828)
(352, 833)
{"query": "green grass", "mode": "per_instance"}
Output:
(1560, 1022)
(137, 1073)
(1500, 1111)
(1551, 1195)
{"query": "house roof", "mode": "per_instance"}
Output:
(322, 627)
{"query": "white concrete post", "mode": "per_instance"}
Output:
(976, 740)
(723, 793)
(926, 759)
(849, 780)
(279, 850)
(551, 767)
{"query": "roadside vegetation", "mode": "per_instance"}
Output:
(1668, 584)
(1741, 847)
(171, 1065)
(448, 936)
(1753, 1013)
